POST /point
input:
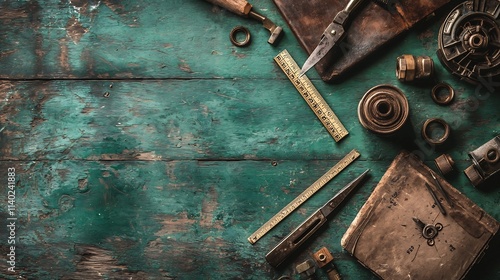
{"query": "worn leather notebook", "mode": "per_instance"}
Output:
(400, 233)
(371, 28)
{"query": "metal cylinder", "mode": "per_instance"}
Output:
(410, 68)
(485, 162)
(444, 163)
(383, 109)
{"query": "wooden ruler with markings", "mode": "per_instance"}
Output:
(310, 191)
(311, 95)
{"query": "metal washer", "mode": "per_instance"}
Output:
(236, 30)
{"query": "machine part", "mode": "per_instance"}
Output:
(441, 189)
(432, 124)
(436, 199)
(442, 99)
(305, 195)
(485, 162)
(269, 25)
(324, 259)
(444, 163)
(411, 68)
(383, 109)
(306, 268)
(243, 8)
(304, 231)
(469, 42)
(234, 40)
(429, 231)
(332, 35)
(311, 95)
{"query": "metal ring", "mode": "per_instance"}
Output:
(439, 226)
(429, 231)
(425, 131)
(430, 242)
(492, 156)
(244, 30)
(448, 98)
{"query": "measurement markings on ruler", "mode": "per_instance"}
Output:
(311, 95)
(310, 191)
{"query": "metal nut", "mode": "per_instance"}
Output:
(323, 257)
(245, 31)
(442, 100)
(427, 127)
(410, 68)
(444, 163)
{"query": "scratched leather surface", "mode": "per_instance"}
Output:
(371, 27)
(385, 239)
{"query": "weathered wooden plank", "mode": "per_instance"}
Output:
(175, 219)
(206, 119)
(131, 39)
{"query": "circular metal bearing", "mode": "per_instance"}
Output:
(234, 40)
(440, 99)
(383, 109)
(427, 128)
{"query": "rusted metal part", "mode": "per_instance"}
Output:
(324, 259)
(411, 68)
(269, 25)
(442, 99)
(306, 268)
(234, 40)
(468, 42)
(445, 164)
(384, 109)
(430, 125)
(485, 162)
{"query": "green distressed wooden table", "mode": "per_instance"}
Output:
(146, 146)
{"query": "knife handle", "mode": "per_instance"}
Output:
(239, 7)
(295, 239)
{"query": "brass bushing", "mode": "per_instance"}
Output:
(234, 40)
(410, 68)
(383, 109)
(427, 128)
(438, 98)
(444, 163)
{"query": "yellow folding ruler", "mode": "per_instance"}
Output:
(311, 96)
(310, 191)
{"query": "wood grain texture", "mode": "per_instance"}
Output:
(146, 146)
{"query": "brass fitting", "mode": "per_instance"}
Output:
(444, 163)
(410, 68)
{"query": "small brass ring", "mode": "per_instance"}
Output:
(425, 131)
(448, 98)
(244, 30)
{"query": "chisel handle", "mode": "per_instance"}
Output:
(239, 7)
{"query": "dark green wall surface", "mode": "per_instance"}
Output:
(147, 146)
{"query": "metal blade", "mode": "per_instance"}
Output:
(331, 35)
(330, 206)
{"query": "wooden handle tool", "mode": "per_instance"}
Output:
(243, 8)
(239, 7)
